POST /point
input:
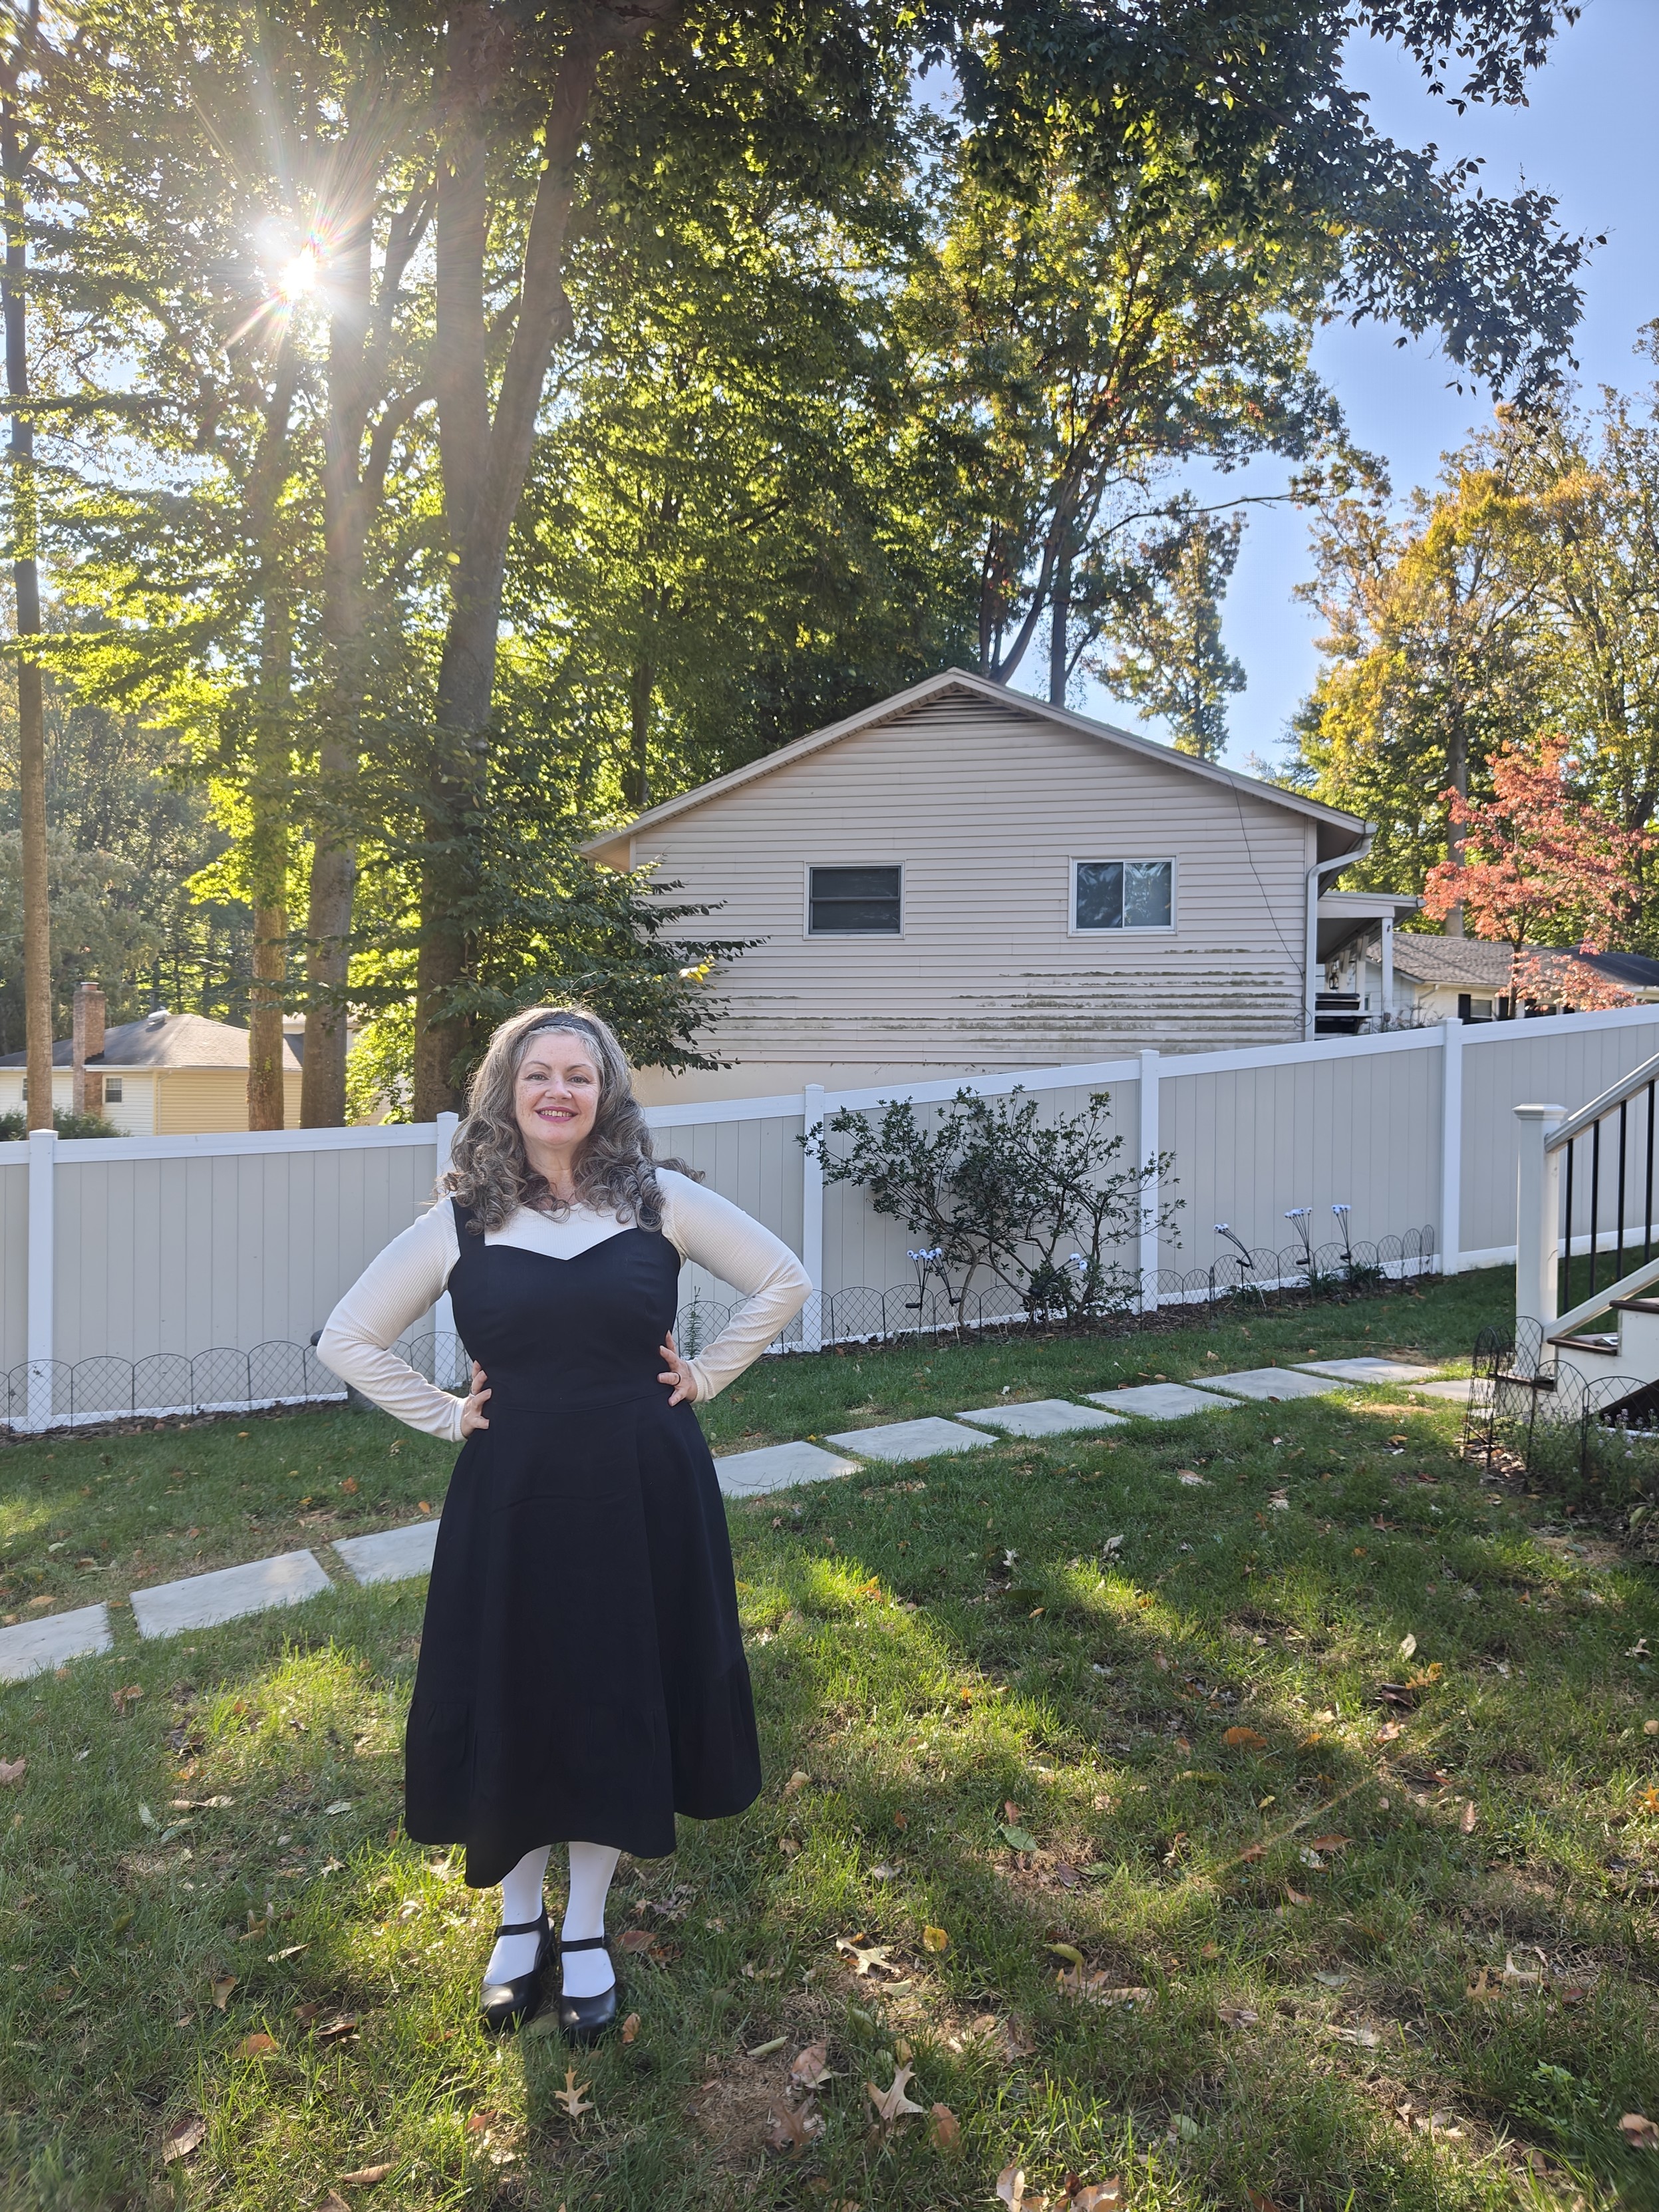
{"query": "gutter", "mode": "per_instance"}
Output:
(1310, 966)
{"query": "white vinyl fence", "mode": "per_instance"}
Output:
(153, 1274)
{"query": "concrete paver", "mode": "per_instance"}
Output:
(32, 1646)
(904, 1440)
(1455, 1389)
(1159, 1401)
(1273, 1382)
(203, 1600)
(777, 1467)
(1366, 1371)
(394, 1555)
(1041, 1417)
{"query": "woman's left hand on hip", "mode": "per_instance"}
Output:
(678, 1373)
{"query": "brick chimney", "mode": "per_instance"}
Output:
(87, 1086)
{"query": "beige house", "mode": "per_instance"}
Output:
(1437, 979)
(964, 878)
(169, 1075)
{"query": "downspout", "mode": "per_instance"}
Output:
(1310, 972)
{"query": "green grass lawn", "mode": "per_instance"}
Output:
(1385, 1912)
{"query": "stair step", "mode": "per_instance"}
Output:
(1636, 1305)
(1598, 1343)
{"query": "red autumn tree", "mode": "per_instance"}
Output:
(1540, 867)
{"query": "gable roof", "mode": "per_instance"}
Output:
(176, 1040)
(1344, 830)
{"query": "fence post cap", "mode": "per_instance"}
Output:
(1540, 1113)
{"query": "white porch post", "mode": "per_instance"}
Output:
(447, 1350)
(1451, 1144)
(1147, 1148)
(1387, 965)
(42, 1255)
(811, 1218)
(1538, 1216)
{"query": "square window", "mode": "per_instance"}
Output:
(853, 902)
(1123, 895)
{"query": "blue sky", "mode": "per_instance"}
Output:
(1588, 136)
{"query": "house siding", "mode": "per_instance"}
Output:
(986, 808)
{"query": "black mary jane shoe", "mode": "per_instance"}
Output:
(585, 2019)
(504, 2004)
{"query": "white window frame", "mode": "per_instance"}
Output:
(854, 936)
(117, 1094)
(1130, 929)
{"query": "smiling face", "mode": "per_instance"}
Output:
(556, 1095)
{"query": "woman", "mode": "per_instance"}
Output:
(581, 1675)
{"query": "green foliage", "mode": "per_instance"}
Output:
(988, 1183)
(16, 1125)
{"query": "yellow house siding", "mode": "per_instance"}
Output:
(191, 1100)
(986, 808)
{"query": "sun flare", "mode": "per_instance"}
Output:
(298, 279)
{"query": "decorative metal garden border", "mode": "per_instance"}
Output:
(1582, 1437)
(58, 1393)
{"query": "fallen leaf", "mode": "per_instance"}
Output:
(1330, 1842)
(1094, 1989)
(935, 1939)
(765, 2050)
(797, 1780)
(630, 2028)
(1650, 1728)
(183, 2136)
(365, 2176)
(571, 2095)
(1099, 2197)
(124, 1700)
(791, 2127)
(811, 2066)
(1252, 1851)
(1193, 1481)
(891, 2104)
(333, 2202)
(1407, 1646)
(1245, 1739)
(1651, 1798)
(1011, 2186)
(1388, 1731)
(1364, 2039)
(1066, 1951)
(1018, 1839)
(337, 2031)
(867, 1957)
(12, 1770)
(1296, 1896)
(944, 2129)
(340, 1805)
(636, 1940)
(1639, 2131)
(1331, 1981)
(1469, 1818)
(1261, 2203)
(223, 1986)
(1238, 2015)
(257, 2045)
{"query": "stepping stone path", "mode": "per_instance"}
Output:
(393, 1556)
(776, 1467)
(203, 1600)
(1366, 1371)
(1273, 1382)
(903, 1440)
(1160, 1402)
(1041, 1417)
(32, 1646)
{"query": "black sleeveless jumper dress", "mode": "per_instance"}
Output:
(581, 1674)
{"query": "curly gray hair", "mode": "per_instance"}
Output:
(490, 1170)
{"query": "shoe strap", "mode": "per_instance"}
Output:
(537, 1927)
(586, 1943)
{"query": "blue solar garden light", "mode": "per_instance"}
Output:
(1237, 1242)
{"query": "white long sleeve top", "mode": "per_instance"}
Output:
(408, 1276)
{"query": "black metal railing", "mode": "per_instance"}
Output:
(1609, 1147)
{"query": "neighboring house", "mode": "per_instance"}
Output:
(1438, 978)
(964, 879)
(167, 1075)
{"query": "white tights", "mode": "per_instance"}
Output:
(586, 1973)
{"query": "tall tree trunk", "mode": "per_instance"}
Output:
(484, 464)
(641, 686)
(270, 785)
(1060, 624)
(26, 583)
(346, 507)
(1457, 762)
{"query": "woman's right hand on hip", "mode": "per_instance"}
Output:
(472, 1409)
